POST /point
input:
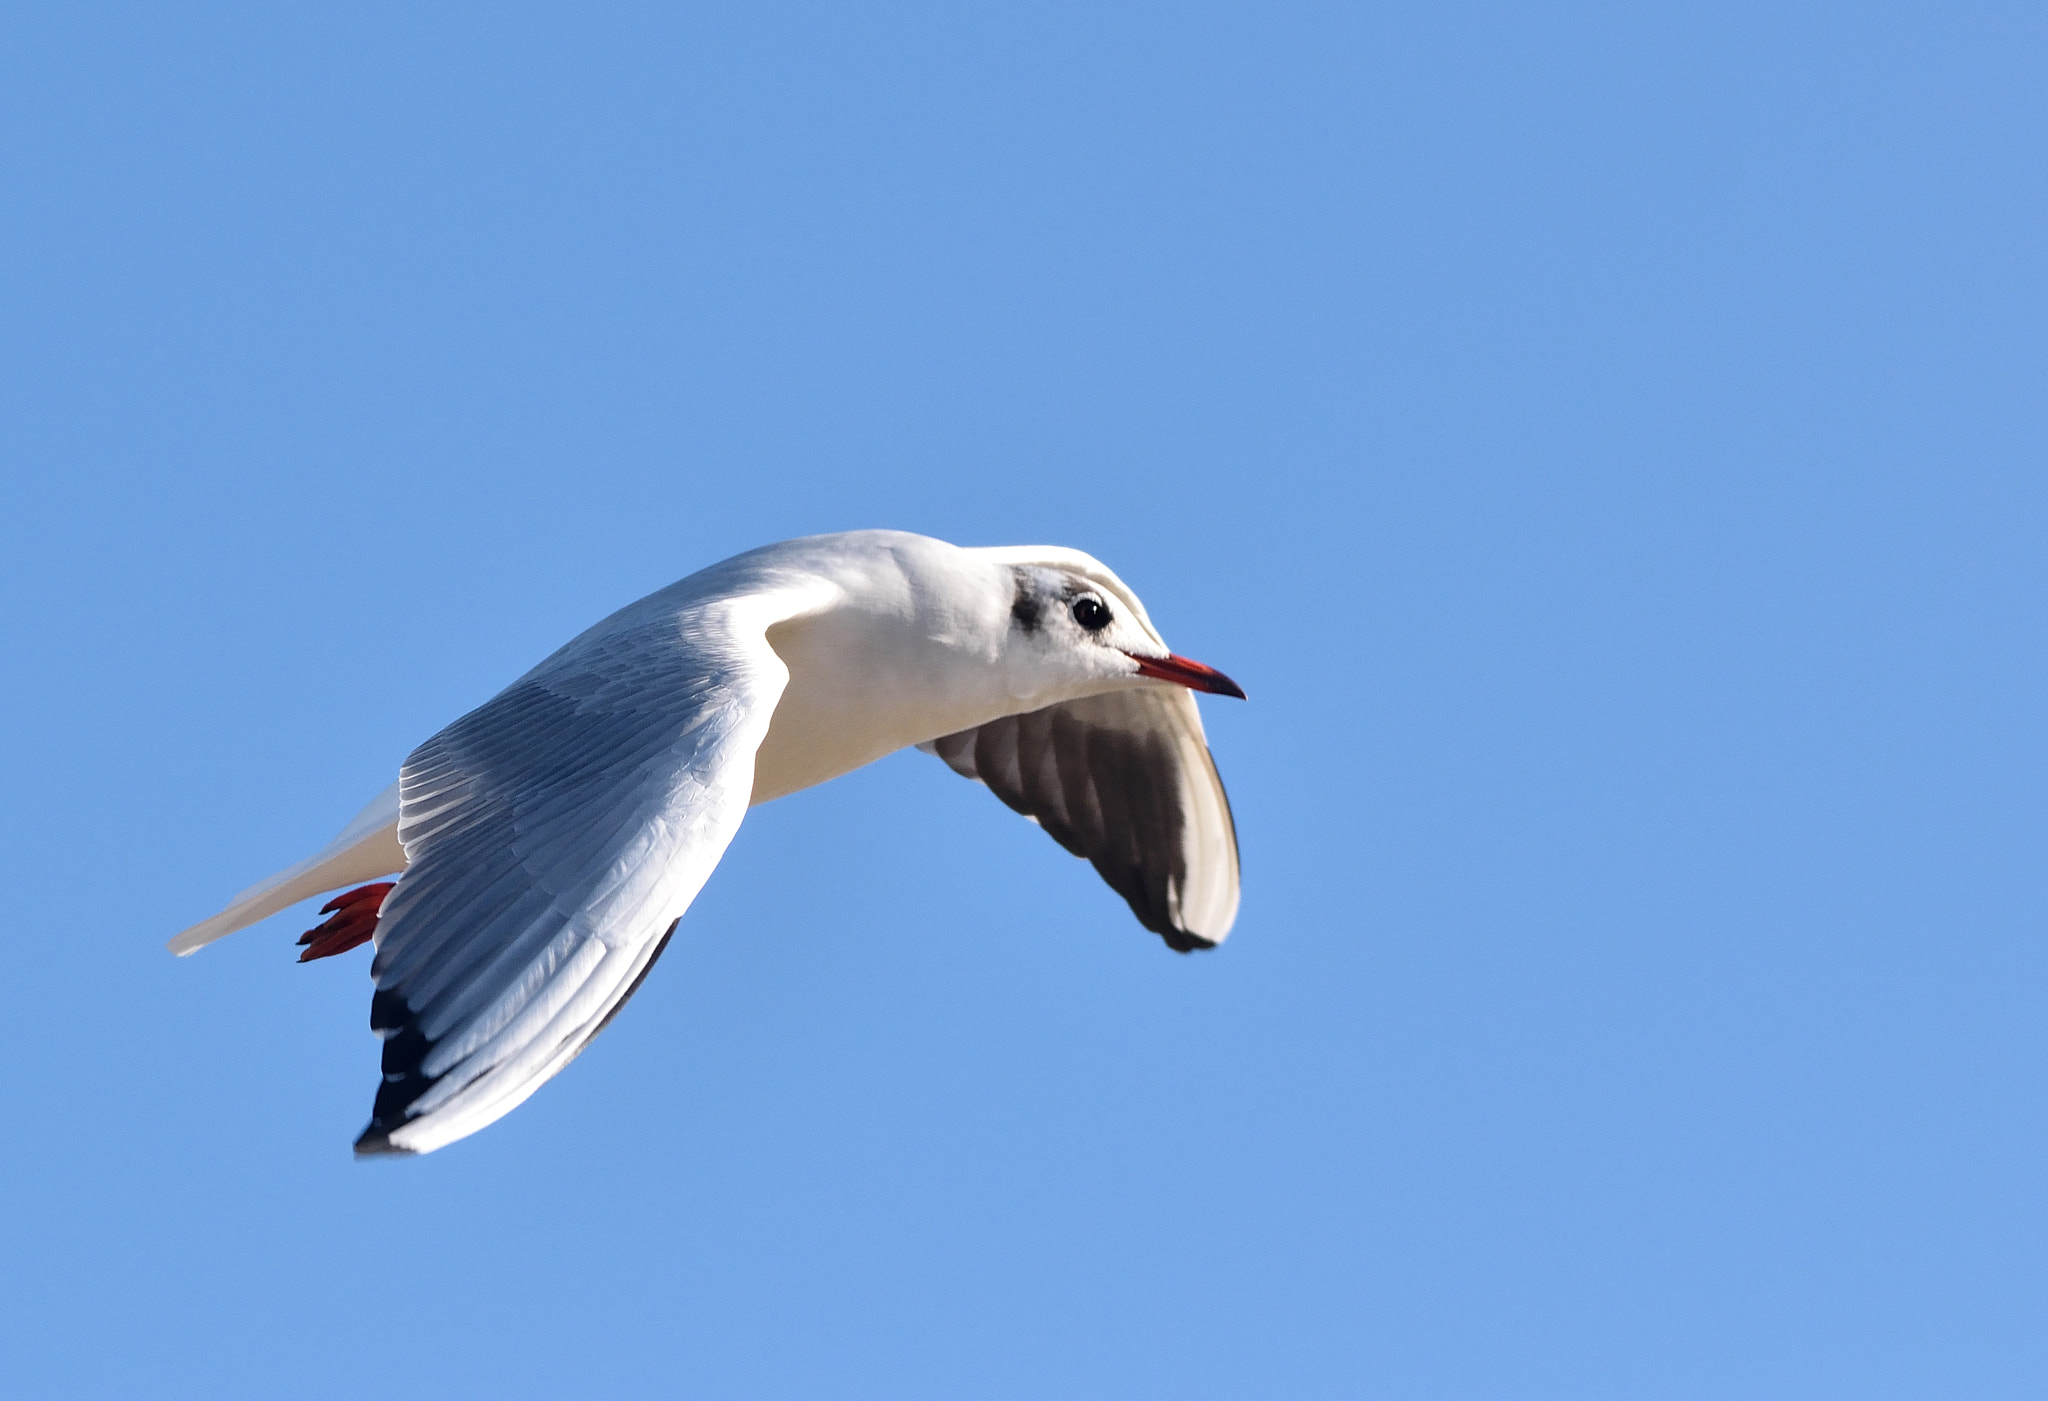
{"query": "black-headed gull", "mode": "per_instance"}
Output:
(550, 840)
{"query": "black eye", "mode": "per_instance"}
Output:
(1091, 614)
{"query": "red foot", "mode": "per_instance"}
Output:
(354, 925)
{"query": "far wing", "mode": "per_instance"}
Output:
(554, 838)
(1126, 780)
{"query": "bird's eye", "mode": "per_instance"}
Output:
(1091, 614)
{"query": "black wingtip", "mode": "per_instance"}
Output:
(375, 1142)
(405, 1079)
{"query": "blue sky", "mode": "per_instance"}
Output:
(1606, 443)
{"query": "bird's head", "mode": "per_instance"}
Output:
(1076, 629)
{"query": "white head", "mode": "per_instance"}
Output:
(1076, 629)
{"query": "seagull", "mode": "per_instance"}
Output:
(539, 852)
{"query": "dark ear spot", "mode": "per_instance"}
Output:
(1025, 609)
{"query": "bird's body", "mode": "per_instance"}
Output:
(551, 839)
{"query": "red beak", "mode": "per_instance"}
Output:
(1192, 675)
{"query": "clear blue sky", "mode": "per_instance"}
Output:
(1608, 444)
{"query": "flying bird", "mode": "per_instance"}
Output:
(540, 851)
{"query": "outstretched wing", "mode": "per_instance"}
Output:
(1126, 780)
(554, 837)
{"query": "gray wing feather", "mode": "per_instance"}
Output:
(1125, 780)
(554, 837)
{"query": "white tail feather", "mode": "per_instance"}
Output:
(368, 847)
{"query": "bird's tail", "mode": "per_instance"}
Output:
(367, 847)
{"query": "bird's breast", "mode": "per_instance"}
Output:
(861, 687)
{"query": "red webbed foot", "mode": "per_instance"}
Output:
(354, 922)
